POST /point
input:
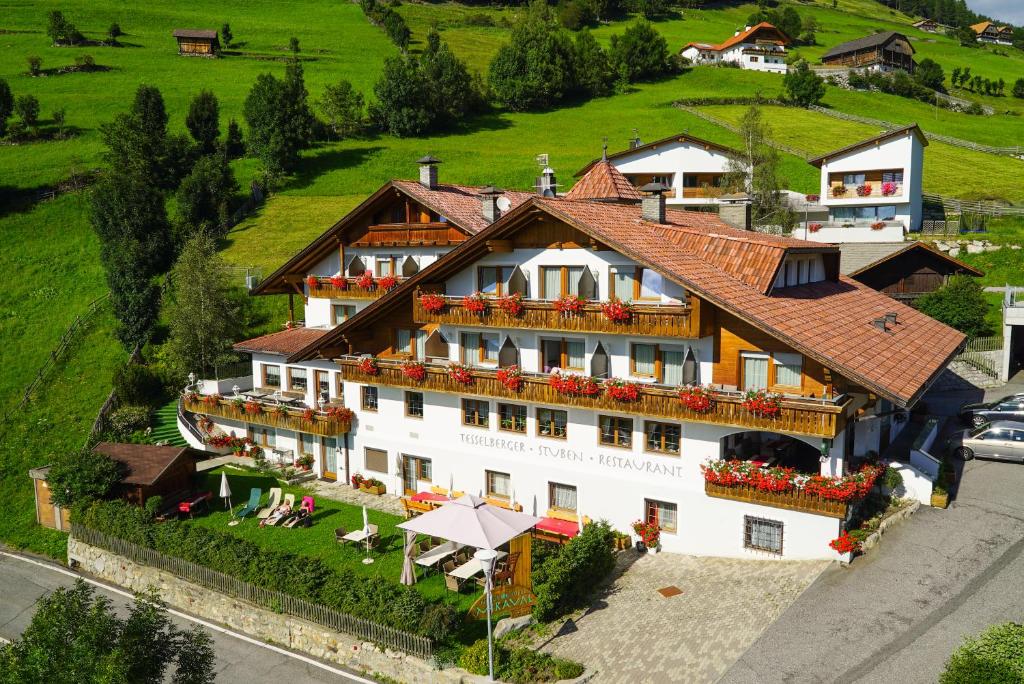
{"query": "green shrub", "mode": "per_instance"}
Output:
(893, 479)
(154, 505)
(519, 665)
(439, 620)
(138, 385)
(565, 580)
(995, 657)
(567, 669)
(474, 659)
(77, 477)
(127, 419)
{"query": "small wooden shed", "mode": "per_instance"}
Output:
(151, 470)
(48, 514)
(197, 42)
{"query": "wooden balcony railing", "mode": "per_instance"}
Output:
(794, 501)
(409, 234)
(352, 289)
(271, 415)
(812, 417)
(662, 320)
(876, 191)
(702, 192)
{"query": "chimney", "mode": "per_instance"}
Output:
(489, 203)
(652, 207)
(880, 324)
(890, 317)
(635, 141)
(735, 210)
(547, 184)
(428, 171)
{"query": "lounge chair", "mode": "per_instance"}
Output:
(255, 494)
(290, 500)
(277, 515)
(300, 519)
(275, 501)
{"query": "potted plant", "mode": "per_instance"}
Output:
(844, 543)
(338, 282)
(432, 303)
(940, 496)
(387, 282)
(763, 404)
(649, 536)
(512, 305)
(888, 189)
(814, 227)
(308, 415)
(812, 198)
(357, 481)
(878, 225)
(369, 365)
(312, 281)
(460, 374)
(511, 378)
(569, 305)
(475, 303)
(864, 190)
(622, 390)
(414, 370)
(372, 486)
(304, 462)
(365, 281)
(696, 398)
(574, 385)
(253, 408)
(839, 191)
(617, 311)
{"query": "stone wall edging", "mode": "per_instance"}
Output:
(875, 537)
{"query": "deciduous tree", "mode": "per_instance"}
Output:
(594, 75)
(342, 105)
(402, 106)
(78, 476)
(803, 86)
(204, 198)
(756, 170)
(960, 304)
(639, 53)
(27, 109)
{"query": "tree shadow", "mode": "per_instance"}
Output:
(328, 159)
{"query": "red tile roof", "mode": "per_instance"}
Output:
(742, 37)
(284, 342)
(604, 181)
(460, 204)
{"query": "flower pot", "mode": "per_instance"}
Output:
(376, 491)
(940, 500)
(640, 547)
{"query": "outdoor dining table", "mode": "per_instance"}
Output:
(429, 498)
(360, 535)
(472, 567)
(433, 556)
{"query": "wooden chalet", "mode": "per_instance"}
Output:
(927, 25)
(885, 51)
(197, 42)
(989, 32)
(151, 470)
(902, 270)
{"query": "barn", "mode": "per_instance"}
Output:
(197, 42)
(902, 270)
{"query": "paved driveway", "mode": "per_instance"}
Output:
(896, 614)
(635, 635)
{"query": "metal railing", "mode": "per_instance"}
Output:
(983, 354)
(276, 601)
(186, 418)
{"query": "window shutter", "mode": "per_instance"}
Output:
(410, 267)
(517, 283)
(599, 362)
(509, 354)
(587, 285)
(356, 267)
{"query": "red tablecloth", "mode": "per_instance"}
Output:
(566, 528)
(421, 497)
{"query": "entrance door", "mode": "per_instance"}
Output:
(409, 474)
(323, 384)
(330, 451)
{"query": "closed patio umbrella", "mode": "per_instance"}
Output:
(225, 491)
(451, 486)
(366, 537)
(408, 569)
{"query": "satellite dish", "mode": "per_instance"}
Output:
(504, 203)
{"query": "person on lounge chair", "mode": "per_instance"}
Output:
(279, 514)
(300, 519)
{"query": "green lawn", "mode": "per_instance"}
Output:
(318, 540)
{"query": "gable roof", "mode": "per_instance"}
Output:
(867, 42)
(195, 33)
(742, 37)
(282, 342)
(459, 204)
(985, 25)
(144, 463)
(829, 321)
(604, 182)
(881, 137)
(677, 138)
(857, 257)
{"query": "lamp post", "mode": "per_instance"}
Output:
(236, 389)
(486, 559)
(191, 379)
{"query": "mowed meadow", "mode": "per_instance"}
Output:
(50, 264)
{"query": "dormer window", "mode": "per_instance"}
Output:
(800, 269)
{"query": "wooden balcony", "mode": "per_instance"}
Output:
(271, 415)
(794, 501)
(325, 289)
(662, 320)
(876, 191)
(410, 234)
(811, 417)
(702, 193)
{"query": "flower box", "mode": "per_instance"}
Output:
(432, 303)
(365, 281)
(812, 198)
(864, 190)
(617, 311)
(375, 489)
(312, 281)
(338, 282)
(414, 370)
(460, 374)
(877, 225)
(744, 474)
(814, 227)
(252, 408)
(386, 283)
(512, 305)
(621, 390)
(574, 385)
(839, 191)
(475, 303)
(569, 305)
(763, 404)
(697, 399)
(940, 499)
(649, 533)
(888, 189)
(369, 365)
(511, 378)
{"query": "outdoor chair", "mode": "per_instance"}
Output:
(339, 535)
(255, 494)
(308, 504)
(435, 541)
(448, 566)
(290, 500)
(423, 547)
(452, 583)
(275, 501)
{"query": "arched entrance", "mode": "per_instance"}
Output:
(771, 449)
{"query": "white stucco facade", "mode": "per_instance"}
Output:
(683, 164)
(745, 55)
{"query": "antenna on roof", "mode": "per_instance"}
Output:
(604, 149)
(635, 141)
(542, 160)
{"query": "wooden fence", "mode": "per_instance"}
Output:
(803, 154)
(276, 601)
(961, 206)
(984, 354)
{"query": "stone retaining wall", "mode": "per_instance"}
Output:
(284, 630)
(875, 537)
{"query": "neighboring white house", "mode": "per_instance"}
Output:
(761, 48)
(872, 189)
(692, 169)
(732, 310)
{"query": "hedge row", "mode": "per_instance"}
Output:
(306, 577)
(565, 580)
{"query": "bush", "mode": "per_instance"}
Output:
(960, 304)
(803, 86)
(893, 479)
(639, 53)
(478, 19)
(35, 64)
(127, 419)
(565, 580)
(518, 666)
(85, 62)
(138, 385)
(474, 658)
(996, 657)
(440, 621)
(154, 505)
(77, 477)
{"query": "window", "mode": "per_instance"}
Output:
(558, 281)
(892, 176)
(499, 485)
(369, 397)
(493, 280)
(475, 412)
(650, 284)
(263, 436)
(788, 369)
(853, 179)
(385, 266)
(672, 367)
(661, 514)
(271, 376)
(563, 353)
(424, 468)
(552, 423)
(342, 312)
(664, 180)
(297, 379)
(340, 391)
(635, 282)
(644, 360)
(414, 404)
(662, 437)
(512, 417)
(762, 535)
(561, 496)
(480, 348)
(755, 371)
(376, 460)
(403, 341)
(323, 383)
(616, 431)
(306, 443)
(885, 212)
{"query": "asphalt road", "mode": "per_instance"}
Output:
(239, 657)
(897, 613)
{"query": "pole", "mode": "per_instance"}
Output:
(490, 641)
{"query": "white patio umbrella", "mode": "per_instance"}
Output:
(225, 492)
(366, 537)
(471, 521)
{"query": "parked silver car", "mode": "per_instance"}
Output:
(1002, 440)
